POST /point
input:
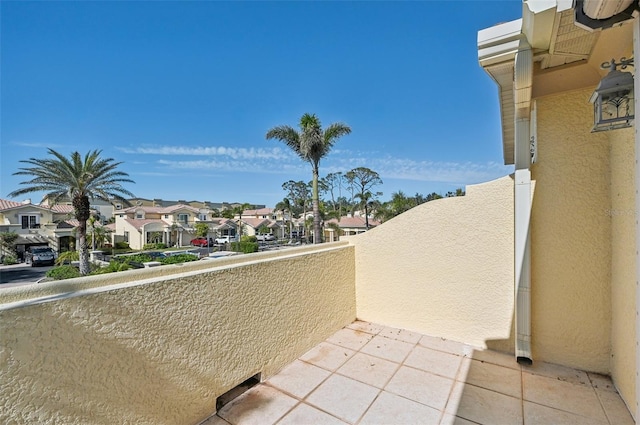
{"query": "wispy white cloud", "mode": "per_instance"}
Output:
(236, 166)
(282, 161)
(428, 171)
(234, 153)
(36, 145)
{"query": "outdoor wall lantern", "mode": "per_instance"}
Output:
(613, 99)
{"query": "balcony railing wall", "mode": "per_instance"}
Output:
(158, 346)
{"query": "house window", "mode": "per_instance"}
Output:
(183, 218)
(30, 221)
(139, 216)
(202, 217)
(166, 216)
(118, 206)
(126, 236)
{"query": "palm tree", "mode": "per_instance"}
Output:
(238, 210)
(285, 207)
(311, 144)
(77, 179)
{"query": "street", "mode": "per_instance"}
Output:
(21, 274)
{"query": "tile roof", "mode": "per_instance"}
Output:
(6, 204)
(159, 210)
(353, 222)
(261, 211)
(256, 222)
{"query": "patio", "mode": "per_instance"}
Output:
(371, 374)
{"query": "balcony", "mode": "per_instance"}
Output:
(348, 332)
(372, 374)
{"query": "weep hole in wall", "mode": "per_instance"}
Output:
(237, 391)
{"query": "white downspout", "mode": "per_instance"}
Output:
(636, 89)
(523, 80)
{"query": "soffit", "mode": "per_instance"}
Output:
(567, 57)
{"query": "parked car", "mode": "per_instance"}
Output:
(201, 242)
(41, 256)
(265, 238)
(225, 239)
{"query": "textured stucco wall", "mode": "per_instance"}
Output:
(160, 350)
(444, 268)
(571, 237)
(623, 278)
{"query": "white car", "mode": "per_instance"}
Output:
(265, 238)
(225, 239)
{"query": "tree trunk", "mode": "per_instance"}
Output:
(317, 237)
(82, 212)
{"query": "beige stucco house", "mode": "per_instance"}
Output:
(576, 202)
(347, 226)
(173, 225)
(37, 225)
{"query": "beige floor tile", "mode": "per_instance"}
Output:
(446, 345)
(436, 362)
(492, 377)
(305, 414)
(495, 357)
(392, 409)
(615, 409)
(484, 406)
(350, 338)
(574, 398)
(215, 420)
(561, 373)
(343, 397)
(370, 328)
(602, 382)
(369, 369)
(299, 378)
(389, 349)
(536, 414)
(449, 419)
(327, 356)
(401, 335)
(260, 405)
(420, 386)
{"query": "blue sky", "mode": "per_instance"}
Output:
(183, 92)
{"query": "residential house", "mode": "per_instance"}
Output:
(347, 226)
(575, 184)
(38, 224)
(172, 225)
(276, 221)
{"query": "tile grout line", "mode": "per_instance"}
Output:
(599, 398)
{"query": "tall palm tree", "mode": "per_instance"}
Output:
(78, 179)
(238, 210)
(311, 144)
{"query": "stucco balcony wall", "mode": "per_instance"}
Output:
(444, 268)
(158, 346)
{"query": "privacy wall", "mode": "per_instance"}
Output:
(444, 268)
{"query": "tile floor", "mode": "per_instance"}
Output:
(370, 374)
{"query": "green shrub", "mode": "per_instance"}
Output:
(135, 258)
(245, 246)
(114, 266)
(180, 258)
(247, 238)
(7, 260)
(122, 245)
(155, 246)
(63, 272)
(67, 257)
